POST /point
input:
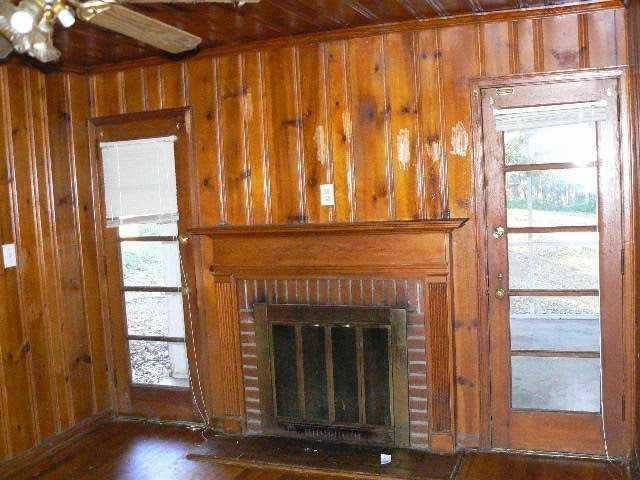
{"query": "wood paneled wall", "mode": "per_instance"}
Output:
(53, 353)
(385, 118)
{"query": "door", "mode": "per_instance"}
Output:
(554, 265)
(141, 159)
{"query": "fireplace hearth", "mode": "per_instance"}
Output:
(334, 373)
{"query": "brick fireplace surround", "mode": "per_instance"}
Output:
(396, 293)
(398, 264)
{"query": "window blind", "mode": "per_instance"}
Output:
(140, 181)
(549, 115)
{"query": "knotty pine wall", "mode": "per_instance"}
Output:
(385, 118)
(53, 353)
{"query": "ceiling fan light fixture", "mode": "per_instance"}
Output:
(66, 17)
(23, 21)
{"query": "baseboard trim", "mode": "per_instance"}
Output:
(53, 445)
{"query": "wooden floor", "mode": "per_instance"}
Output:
(144, 451)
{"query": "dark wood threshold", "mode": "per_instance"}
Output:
(55, 444)
(309, 457)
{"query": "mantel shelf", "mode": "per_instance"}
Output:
(374, 228)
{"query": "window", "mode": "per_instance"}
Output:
(141, 202)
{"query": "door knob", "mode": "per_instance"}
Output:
(499, 231)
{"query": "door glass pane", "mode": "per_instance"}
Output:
(555, 323)
(555, 383)
(551, 261)
(158, 363)
(551, 145)
(546, 198)
(154, 314)
(151, 264)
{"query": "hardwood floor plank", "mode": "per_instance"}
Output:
(136, 450)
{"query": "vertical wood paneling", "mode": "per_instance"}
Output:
(202, 99)
(284, 136)
(364, 92)
(561, 43)
(49, 249)
(497, 49)
(456, 124)
(74, 330)
(49, 351)
(109, 89)
(53, 365)
(602, 50)
(430, 108)
(526, 46)
(13, 338)
(254, 127)
(134, 90)
(26, 217)
(261, 156)
(153, 88)
(370, 129)
(230, 95)
(318, 163)
(84, 199)
(339, 131)
(173, 88)
(407, 168)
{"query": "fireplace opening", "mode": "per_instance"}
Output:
(333, 373)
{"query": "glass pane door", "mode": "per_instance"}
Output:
(553, 248)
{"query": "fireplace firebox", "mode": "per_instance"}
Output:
(334, 373)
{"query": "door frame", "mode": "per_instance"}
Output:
(619, 440)
(170, 403)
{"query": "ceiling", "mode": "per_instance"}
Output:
(86, 45)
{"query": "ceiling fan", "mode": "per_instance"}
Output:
(28, 27)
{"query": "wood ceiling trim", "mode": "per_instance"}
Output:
(363, 31)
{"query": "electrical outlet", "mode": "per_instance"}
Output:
(327, 198)
(9, 255)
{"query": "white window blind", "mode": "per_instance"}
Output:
(549, 115)
(140, 181)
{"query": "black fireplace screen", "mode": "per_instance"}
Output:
(334, 373)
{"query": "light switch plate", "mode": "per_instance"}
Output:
(9, 255)
(327, 198)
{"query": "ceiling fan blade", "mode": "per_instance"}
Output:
(232, 2)
(145, 29)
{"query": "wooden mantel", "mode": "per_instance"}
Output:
(396, 249)
(418, 250)
(373, 228)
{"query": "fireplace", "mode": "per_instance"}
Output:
(402, 266)
(303, 393)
